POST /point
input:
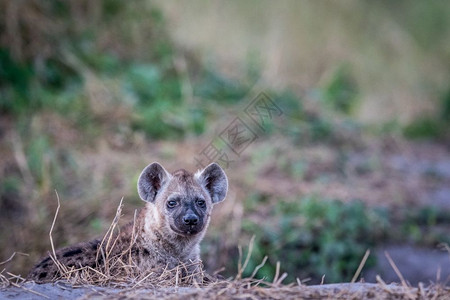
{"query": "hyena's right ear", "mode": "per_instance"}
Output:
(152, 178)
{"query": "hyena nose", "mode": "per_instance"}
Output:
(190, 219)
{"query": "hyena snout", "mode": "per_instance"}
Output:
(189, 222)
(190, 218)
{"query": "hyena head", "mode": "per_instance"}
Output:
(181, 202)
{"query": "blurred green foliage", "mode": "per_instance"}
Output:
(422, 226)
(341, 91)
(312, 237)
(432, 127)
(151, 86)
(214, 86)
(424, 128)
(445, 104)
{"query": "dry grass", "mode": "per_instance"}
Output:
(7, 278)
(119, 269)
(121, 279)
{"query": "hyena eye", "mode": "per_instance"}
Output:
(200, 202)
(171, 203)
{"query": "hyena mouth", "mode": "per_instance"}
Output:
(186, 230)
(192, 230)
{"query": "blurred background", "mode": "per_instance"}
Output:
(354, 157)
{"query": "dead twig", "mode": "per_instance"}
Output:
(405, 285)
(259, 267)
(361, 266)
(60, 266)
(12, 256)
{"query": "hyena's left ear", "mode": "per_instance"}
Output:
(214, 180)
(151, 180)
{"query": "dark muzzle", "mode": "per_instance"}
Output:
(190, 219)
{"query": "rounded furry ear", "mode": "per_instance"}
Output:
(214, 180)
(151, 180)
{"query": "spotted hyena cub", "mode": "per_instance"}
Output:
(167, 231)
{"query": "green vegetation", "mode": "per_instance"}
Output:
(432, 127)
(312, 237)
(85, 100)
(423, 227)
(341, 92)
(424, 128)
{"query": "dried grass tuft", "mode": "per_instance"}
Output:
(7, 278)
(119, 270)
